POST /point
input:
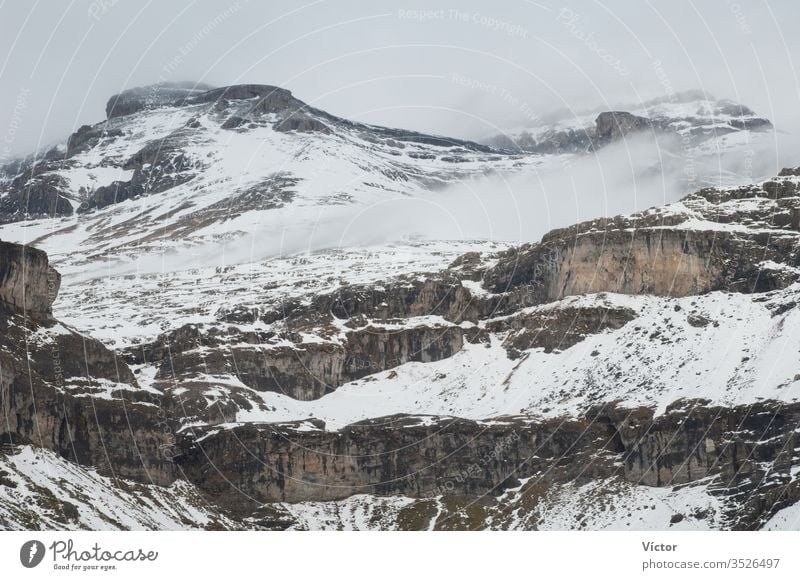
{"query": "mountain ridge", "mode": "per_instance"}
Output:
(512, 313)
(639, 359)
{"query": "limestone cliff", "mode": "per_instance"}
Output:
(204, 413)
(66, 392)
(27, 282)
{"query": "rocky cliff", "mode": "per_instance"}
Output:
(637, 369)
(66, 392)
(27, 282)
(750, 455)
(685, 250)
(710, 243)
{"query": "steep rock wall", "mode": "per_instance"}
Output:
(27, 282)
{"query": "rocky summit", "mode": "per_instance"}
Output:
(692, 117)
(628, 372)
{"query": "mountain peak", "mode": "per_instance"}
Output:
(151, 96)
(272, 98)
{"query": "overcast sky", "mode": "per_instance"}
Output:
(466, 72)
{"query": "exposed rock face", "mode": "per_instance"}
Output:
(160, 165)
(391, 456)
(660, 262)
(652, 253)
(33, 194)
(234, 121)
(303, 371)
(615, 125)
(116, 192)
(271, 99)
(88, 136)
(443, 296)
(557, 329)
(67, 392)
(693, 116)
(737, 447)
(153, 96)
(27, 282)
(693, 441)
(750, 451)
(754, 124)
(302, 124)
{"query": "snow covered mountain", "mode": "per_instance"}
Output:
(699, 121)
(209, 165)
(205, 365)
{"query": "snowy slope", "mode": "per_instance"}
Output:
(125, 310)
(697, 139)
(240, 218)
(743, 352)
(39, 490)
(693, 115)
(608, 506)
(271, 187)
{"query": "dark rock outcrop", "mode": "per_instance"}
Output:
(268, 98)
(748, 452)
(614, 125)
(153, 96)
(88, 137)
(303, 371)
(302, 124)
(67, 392)
(27, 282)
(557, 328)
(391, 456)
(35, 194)
(160, 165)
(692, 126)
(441, 295)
